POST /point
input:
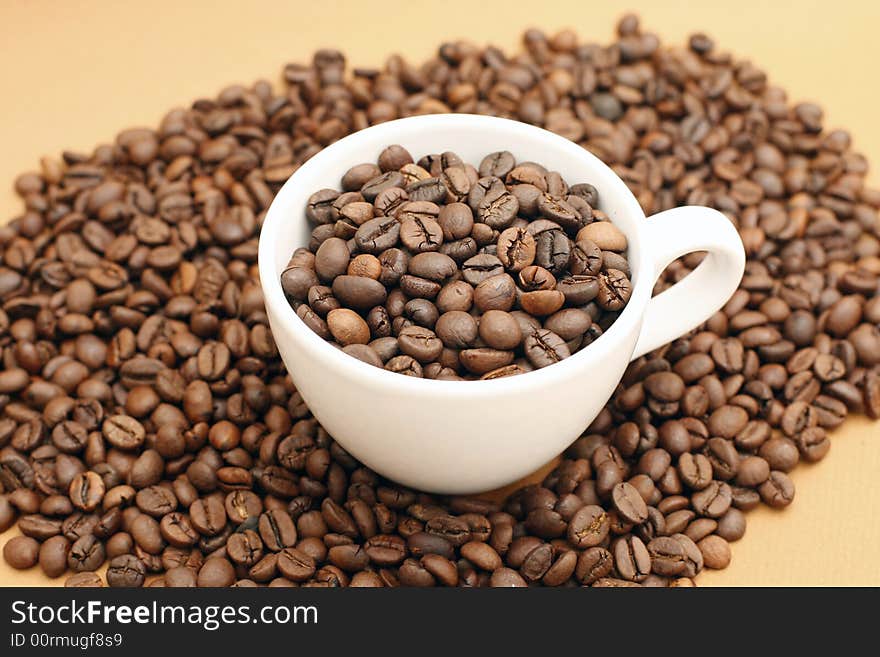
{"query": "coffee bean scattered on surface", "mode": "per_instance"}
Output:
(438, 269)
(135, 344)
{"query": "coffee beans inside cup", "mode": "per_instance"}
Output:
(135, 343)
(443, 270)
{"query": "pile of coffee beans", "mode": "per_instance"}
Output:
(417, 267)
(146, 419)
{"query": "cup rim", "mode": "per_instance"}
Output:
(278, 306)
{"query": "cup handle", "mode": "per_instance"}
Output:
(694, 299)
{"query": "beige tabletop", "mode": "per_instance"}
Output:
(74, 73)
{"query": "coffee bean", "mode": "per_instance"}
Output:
(84, 579)
(615, 290)
(497, 164)
(393, 158)
(752, 471)
(87, 491)
(359, 292)
(569, 323)
(277, 530)
(53, 556)
(715, 551)
(603, 234)
(87, 553)
(420, 343)
(631, 558)
(295, 564)
(477, 269)
(123, 431)
(457, 329)
(500, 330)
(693, 557)
(208, 516)
(181, 577)
(667, 556)
(778, 490)
(594, 564)
(781, 453)
(712, 501)
(21, 552)
(147, 534)
(588, 527)
(732, 525)
(332, 259)
(629, 504)
(176, 529)
(377, 235)
(515, 249)
(216, 572)
(695, 470)
(348, 327)
(495, 293)
(544, 348)
(126, 571)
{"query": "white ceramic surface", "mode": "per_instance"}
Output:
(465, 437)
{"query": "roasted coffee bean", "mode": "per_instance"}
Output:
(752, 471)
(216, 572)
(377, 235)
(208, 516)
(778, 490)
(515, 249)
(695, 470)
(277, 530)
(244, 548)
(86, 553)
(477, 269)
(420, 343)
(605, 235)
(715, 551)
(457, 329)
(87, 491)
(126, 571)
(667, 556)
(177, 529)
(53, 556)
(543, 347)
(693, 558)
(712, 501)
(593, 564)
(588, 527)
(631, 558)
(732, 525)
(615, 290)
(781, 453)
(21, 552)
(483, 360)
(629, 504)
(812, 443)
(181, 577)
(124, 432)
(359, 292)
(552, 247)
(84, 579)
(147, 534)
(295, 564)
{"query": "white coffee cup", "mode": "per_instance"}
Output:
(470, 436)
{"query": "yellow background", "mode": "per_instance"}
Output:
(75, 72)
